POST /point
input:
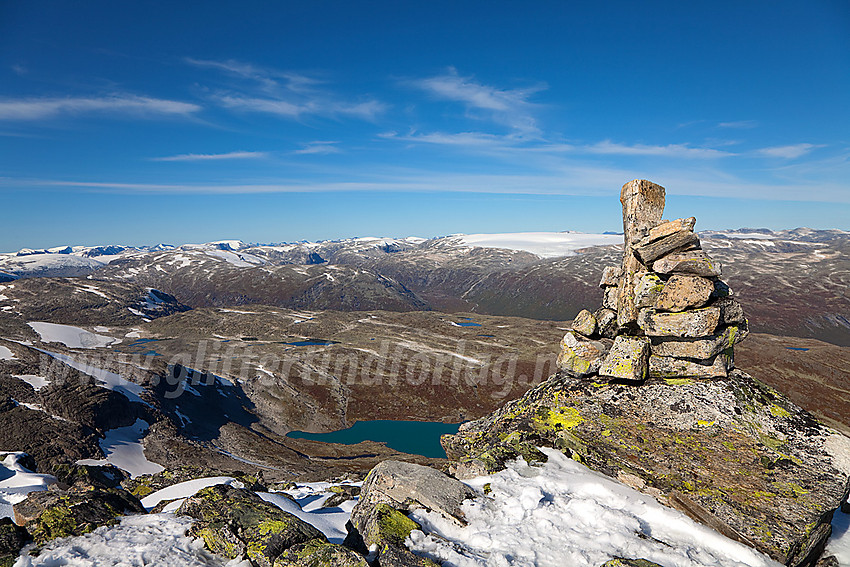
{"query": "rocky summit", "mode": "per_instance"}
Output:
(647, 393)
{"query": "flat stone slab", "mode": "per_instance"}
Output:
(691, 324)
(666, 367)
(694, 262)
(648, 252)
(684, 292)
(701, 349)
(733, 454)
(627, 360)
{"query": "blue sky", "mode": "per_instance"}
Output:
(153, 122)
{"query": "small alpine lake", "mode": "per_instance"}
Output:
(415, 437)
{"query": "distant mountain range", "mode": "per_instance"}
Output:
(538, 275)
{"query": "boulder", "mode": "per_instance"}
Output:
(648, 251)
(606, 322)
(12, 539)
(316, 553)
(611, 276)
(405, 486)
(667, 367)
(700, 349)
(667, 228)
(692, 324)
(580, 356)
(732, 454)
(684, 292)
(391, 489)
(51, 514)
(341, 493)
(238, 524)
(647, 290)
(693, 262)
(86, 477)
(731, 312)
(627, 359)
(585, 323)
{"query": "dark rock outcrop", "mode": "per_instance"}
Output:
(12, 539)
(236, 523)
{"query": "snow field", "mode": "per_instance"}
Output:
(16, 483)
(70, 336)
(154, 539)
(124, 449)
(544, 244)
(562, 513)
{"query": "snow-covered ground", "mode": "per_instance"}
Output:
(70, 336)
(544, 244)
(562, 513)
(16, 482)
(154, 539)
(123, 448)
(6, 354)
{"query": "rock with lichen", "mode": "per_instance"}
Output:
(12, 539)
(316, 553)
(238, 524)
(51, 514)
(627, 359)
(585, 323)
(733, 454)
(580, 356)
(393, 488)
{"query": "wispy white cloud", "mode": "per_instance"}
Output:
(512, 142)
(213, 157)
(267, 77)
(467, 139)
(510, 107)
(42, 108)
(319, 106)
(787, 152)
(739, 124)
(319, 147)
(671, 150)
(285, 94)
(19, 69)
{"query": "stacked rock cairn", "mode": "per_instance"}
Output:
(666, 313)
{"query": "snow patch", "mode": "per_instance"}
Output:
(70, 336)
(107, 379)
(562, 513)
(123, 448)
(37, 382)
(153, 539)
(308, 506)
(6, 354)
(16, 483)
(183, 490)
(543, 244)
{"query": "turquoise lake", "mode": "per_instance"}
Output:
(416, 437)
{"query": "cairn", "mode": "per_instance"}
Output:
(665, 311)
